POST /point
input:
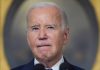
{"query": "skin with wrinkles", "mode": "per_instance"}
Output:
(45, 35)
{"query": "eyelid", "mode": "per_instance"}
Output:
(35, 27)
(51, 26)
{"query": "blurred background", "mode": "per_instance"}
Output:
(83, 48)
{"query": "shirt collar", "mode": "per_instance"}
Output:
(54, 67)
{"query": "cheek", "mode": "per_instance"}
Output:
(57, 39)
(31, 39)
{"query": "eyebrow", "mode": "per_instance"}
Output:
(37, 25)
(51, 25)
(34, 25)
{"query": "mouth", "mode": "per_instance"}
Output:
(44, 48)
(44, 45)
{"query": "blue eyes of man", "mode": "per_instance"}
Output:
(37, 28)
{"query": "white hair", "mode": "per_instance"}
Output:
(51, 4)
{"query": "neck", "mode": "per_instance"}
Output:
(50, 62)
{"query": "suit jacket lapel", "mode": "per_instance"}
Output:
(30, 65)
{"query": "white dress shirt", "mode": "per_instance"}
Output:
(54, 67)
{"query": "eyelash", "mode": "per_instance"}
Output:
(51, 27)
(35, 28)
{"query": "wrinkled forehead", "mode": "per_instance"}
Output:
(46, 11)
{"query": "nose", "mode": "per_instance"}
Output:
(43, 35)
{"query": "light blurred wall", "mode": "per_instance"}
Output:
(4, 6)
(96, 4)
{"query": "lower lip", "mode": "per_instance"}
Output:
(44, 48)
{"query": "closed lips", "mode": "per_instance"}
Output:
(42, 45)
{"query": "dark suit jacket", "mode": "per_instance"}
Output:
(65, 66)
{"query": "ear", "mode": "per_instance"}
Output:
(66, 35)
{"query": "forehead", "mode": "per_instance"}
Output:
(44, 11)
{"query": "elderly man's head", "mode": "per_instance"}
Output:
(47, 32)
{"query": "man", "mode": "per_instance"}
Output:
(47, 33)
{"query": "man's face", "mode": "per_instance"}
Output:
(45, 34)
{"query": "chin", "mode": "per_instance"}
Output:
(44, 57)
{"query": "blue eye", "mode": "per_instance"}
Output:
(35, 28)
(51, 27)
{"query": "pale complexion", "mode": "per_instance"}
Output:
(45, 34)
